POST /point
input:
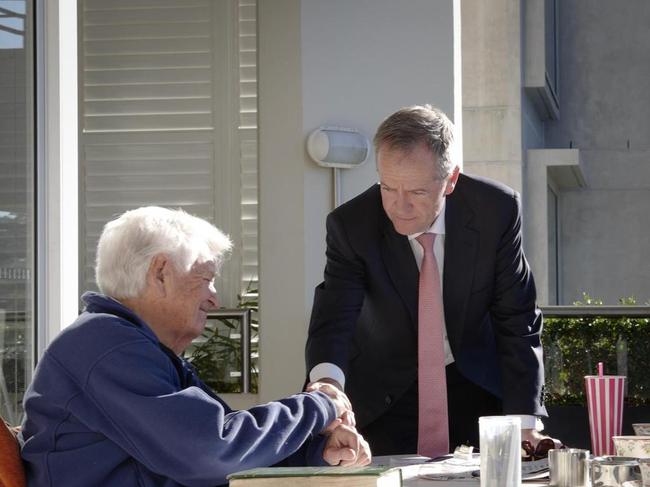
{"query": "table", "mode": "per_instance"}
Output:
(410, 471)
(459, 483)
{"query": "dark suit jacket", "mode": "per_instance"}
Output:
(364, 317)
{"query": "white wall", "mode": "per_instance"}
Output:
(340, 62)
(364, 59)
(361, 61)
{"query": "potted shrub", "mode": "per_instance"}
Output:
(573, 345)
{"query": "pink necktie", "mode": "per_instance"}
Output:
(433, 426)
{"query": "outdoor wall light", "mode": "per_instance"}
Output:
(338, 148)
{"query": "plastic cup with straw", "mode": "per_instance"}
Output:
(605, 395)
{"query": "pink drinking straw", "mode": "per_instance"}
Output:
(600, 369)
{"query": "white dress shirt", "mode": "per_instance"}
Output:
(438, 228)
(327, 369)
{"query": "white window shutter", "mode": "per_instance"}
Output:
(169, 117)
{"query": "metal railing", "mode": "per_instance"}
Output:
(599, 310)
(244, 317)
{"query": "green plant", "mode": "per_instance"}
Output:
(574, 345)
(216, 354)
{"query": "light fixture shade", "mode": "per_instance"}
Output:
(338, 147)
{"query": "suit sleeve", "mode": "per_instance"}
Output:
(517, 323)
(337, 301)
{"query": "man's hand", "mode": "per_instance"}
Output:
(343, 406)
(347, 448)
(533, 436)
(535, 445)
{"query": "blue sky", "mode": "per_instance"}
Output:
(11, 40)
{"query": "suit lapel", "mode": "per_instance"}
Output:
(401, 266)
(461, 246)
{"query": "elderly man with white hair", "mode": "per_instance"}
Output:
(112, 404)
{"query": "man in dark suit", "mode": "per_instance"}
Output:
(363, 334)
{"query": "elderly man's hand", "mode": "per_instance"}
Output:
(346, 447)
(343, 406)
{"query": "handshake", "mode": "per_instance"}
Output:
(344, 445)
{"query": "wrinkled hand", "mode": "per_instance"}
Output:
(347, 448)
(343, 406)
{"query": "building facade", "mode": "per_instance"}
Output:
(207, 105)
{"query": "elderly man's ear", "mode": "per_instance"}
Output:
(158, 274)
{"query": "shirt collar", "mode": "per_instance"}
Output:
(438, 225)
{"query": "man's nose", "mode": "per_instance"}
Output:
(214, 298)
(402, 201)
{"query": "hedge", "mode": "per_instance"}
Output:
(573, 346)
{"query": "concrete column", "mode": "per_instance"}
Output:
(491, 40)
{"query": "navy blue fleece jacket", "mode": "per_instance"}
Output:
(109, 405)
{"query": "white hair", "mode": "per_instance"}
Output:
(128, 244)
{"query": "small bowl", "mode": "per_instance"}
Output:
(641, 429)
(632, 446)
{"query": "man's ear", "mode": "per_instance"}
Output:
(451, 182)
(158, 273)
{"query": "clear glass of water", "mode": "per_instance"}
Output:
(500, 443)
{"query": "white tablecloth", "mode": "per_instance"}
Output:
(458, 483)
(411, 478)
